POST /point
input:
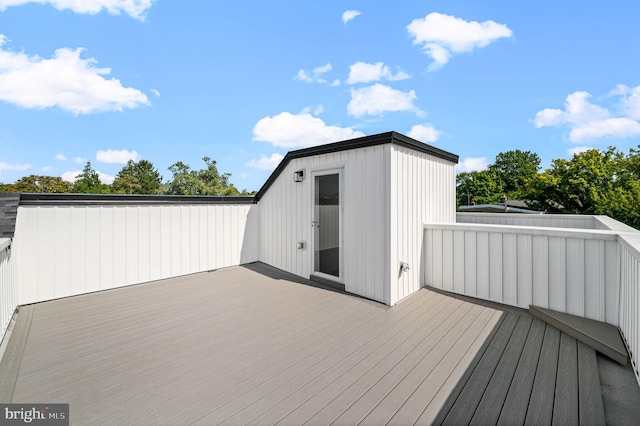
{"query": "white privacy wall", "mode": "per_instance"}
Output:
(572, 271)
(422, 190)
(70, 250)
(286, 211)
(8, 285)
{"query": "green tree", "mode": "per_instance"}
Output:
(137, 178)
(208, 181)
(483, 187)
(514, 168)
(88, 182)
(36, 183)
(580, 185)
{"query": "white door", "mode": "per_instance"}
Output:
(327, 235)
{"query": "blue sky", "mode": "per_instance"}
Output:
(245, 82)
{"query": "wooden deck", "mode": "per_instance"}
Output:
(244, 345)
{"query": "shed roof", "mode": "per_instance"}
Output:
(363, 142)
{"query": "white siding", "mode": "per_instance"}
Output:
(566, 270)
(286, 210)
(629, 321)
(422, 190)
(542, 220)
(8, 284)
(69, 250)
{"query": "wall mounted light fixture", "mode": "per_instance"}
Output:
(298, 176)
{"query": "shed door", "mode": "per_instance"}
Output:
(327, 224)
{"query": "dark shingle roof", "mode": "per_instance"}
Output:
(8, 212)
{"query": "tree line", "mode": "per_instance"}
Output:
(135, 178)
(591, 182)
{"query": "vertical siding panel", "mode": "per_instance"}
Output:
(592, 276)
(61, 254)
(185, 240)
(437, 260)
(575, 276)
(482, 267)
(194, 239)
(612, 273)
(131, 248)
(166, 247)
(45, 249)
(525, 270)
(78, 253)
(155, 243)
(540, 266)
(176, 245)
(471, 259)
(107, 238)
(119, 249)
(447, 259)
(510, 269)
(144, 249)
(459, 263)
(494, 290)
(92, 247)
(557, 274)
(27, 233)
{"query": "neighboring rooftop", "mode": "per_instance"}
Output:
(8, 212)
(252, 344)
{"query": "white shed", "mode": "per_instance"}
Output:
(352, 213)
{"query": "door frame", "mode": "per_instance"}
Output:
(329, 170)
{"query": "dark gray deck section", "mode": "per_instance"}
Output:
(603, 337)
(245, 345)
(528, 373)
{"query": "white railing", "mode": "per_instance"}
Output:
(567, 270)
(8, 283)
(629, 321)
(542, 220)
(591, 270)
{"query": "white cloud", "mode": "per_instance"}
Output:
(80, 160)
(315, 76)
(134, 8)
(578, 150)
(266, 163)
(424, 133)
(60, 157)
(66, 81)
(155, 92)
(116, 156)
(362, 72)
(70, 176)
(105, 178)
(378, 99)
(349, 15)
(588, 121)
(299, 131)
(441, 36)
(630, 100)
(471, 164)
(46, 169)
(15, 167)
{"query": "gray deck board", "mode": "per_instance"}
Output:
(254, 345)
(471, 394)
(12, 358)
(498, 387)
(589, 390)
(245, 345)
(565, 406)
